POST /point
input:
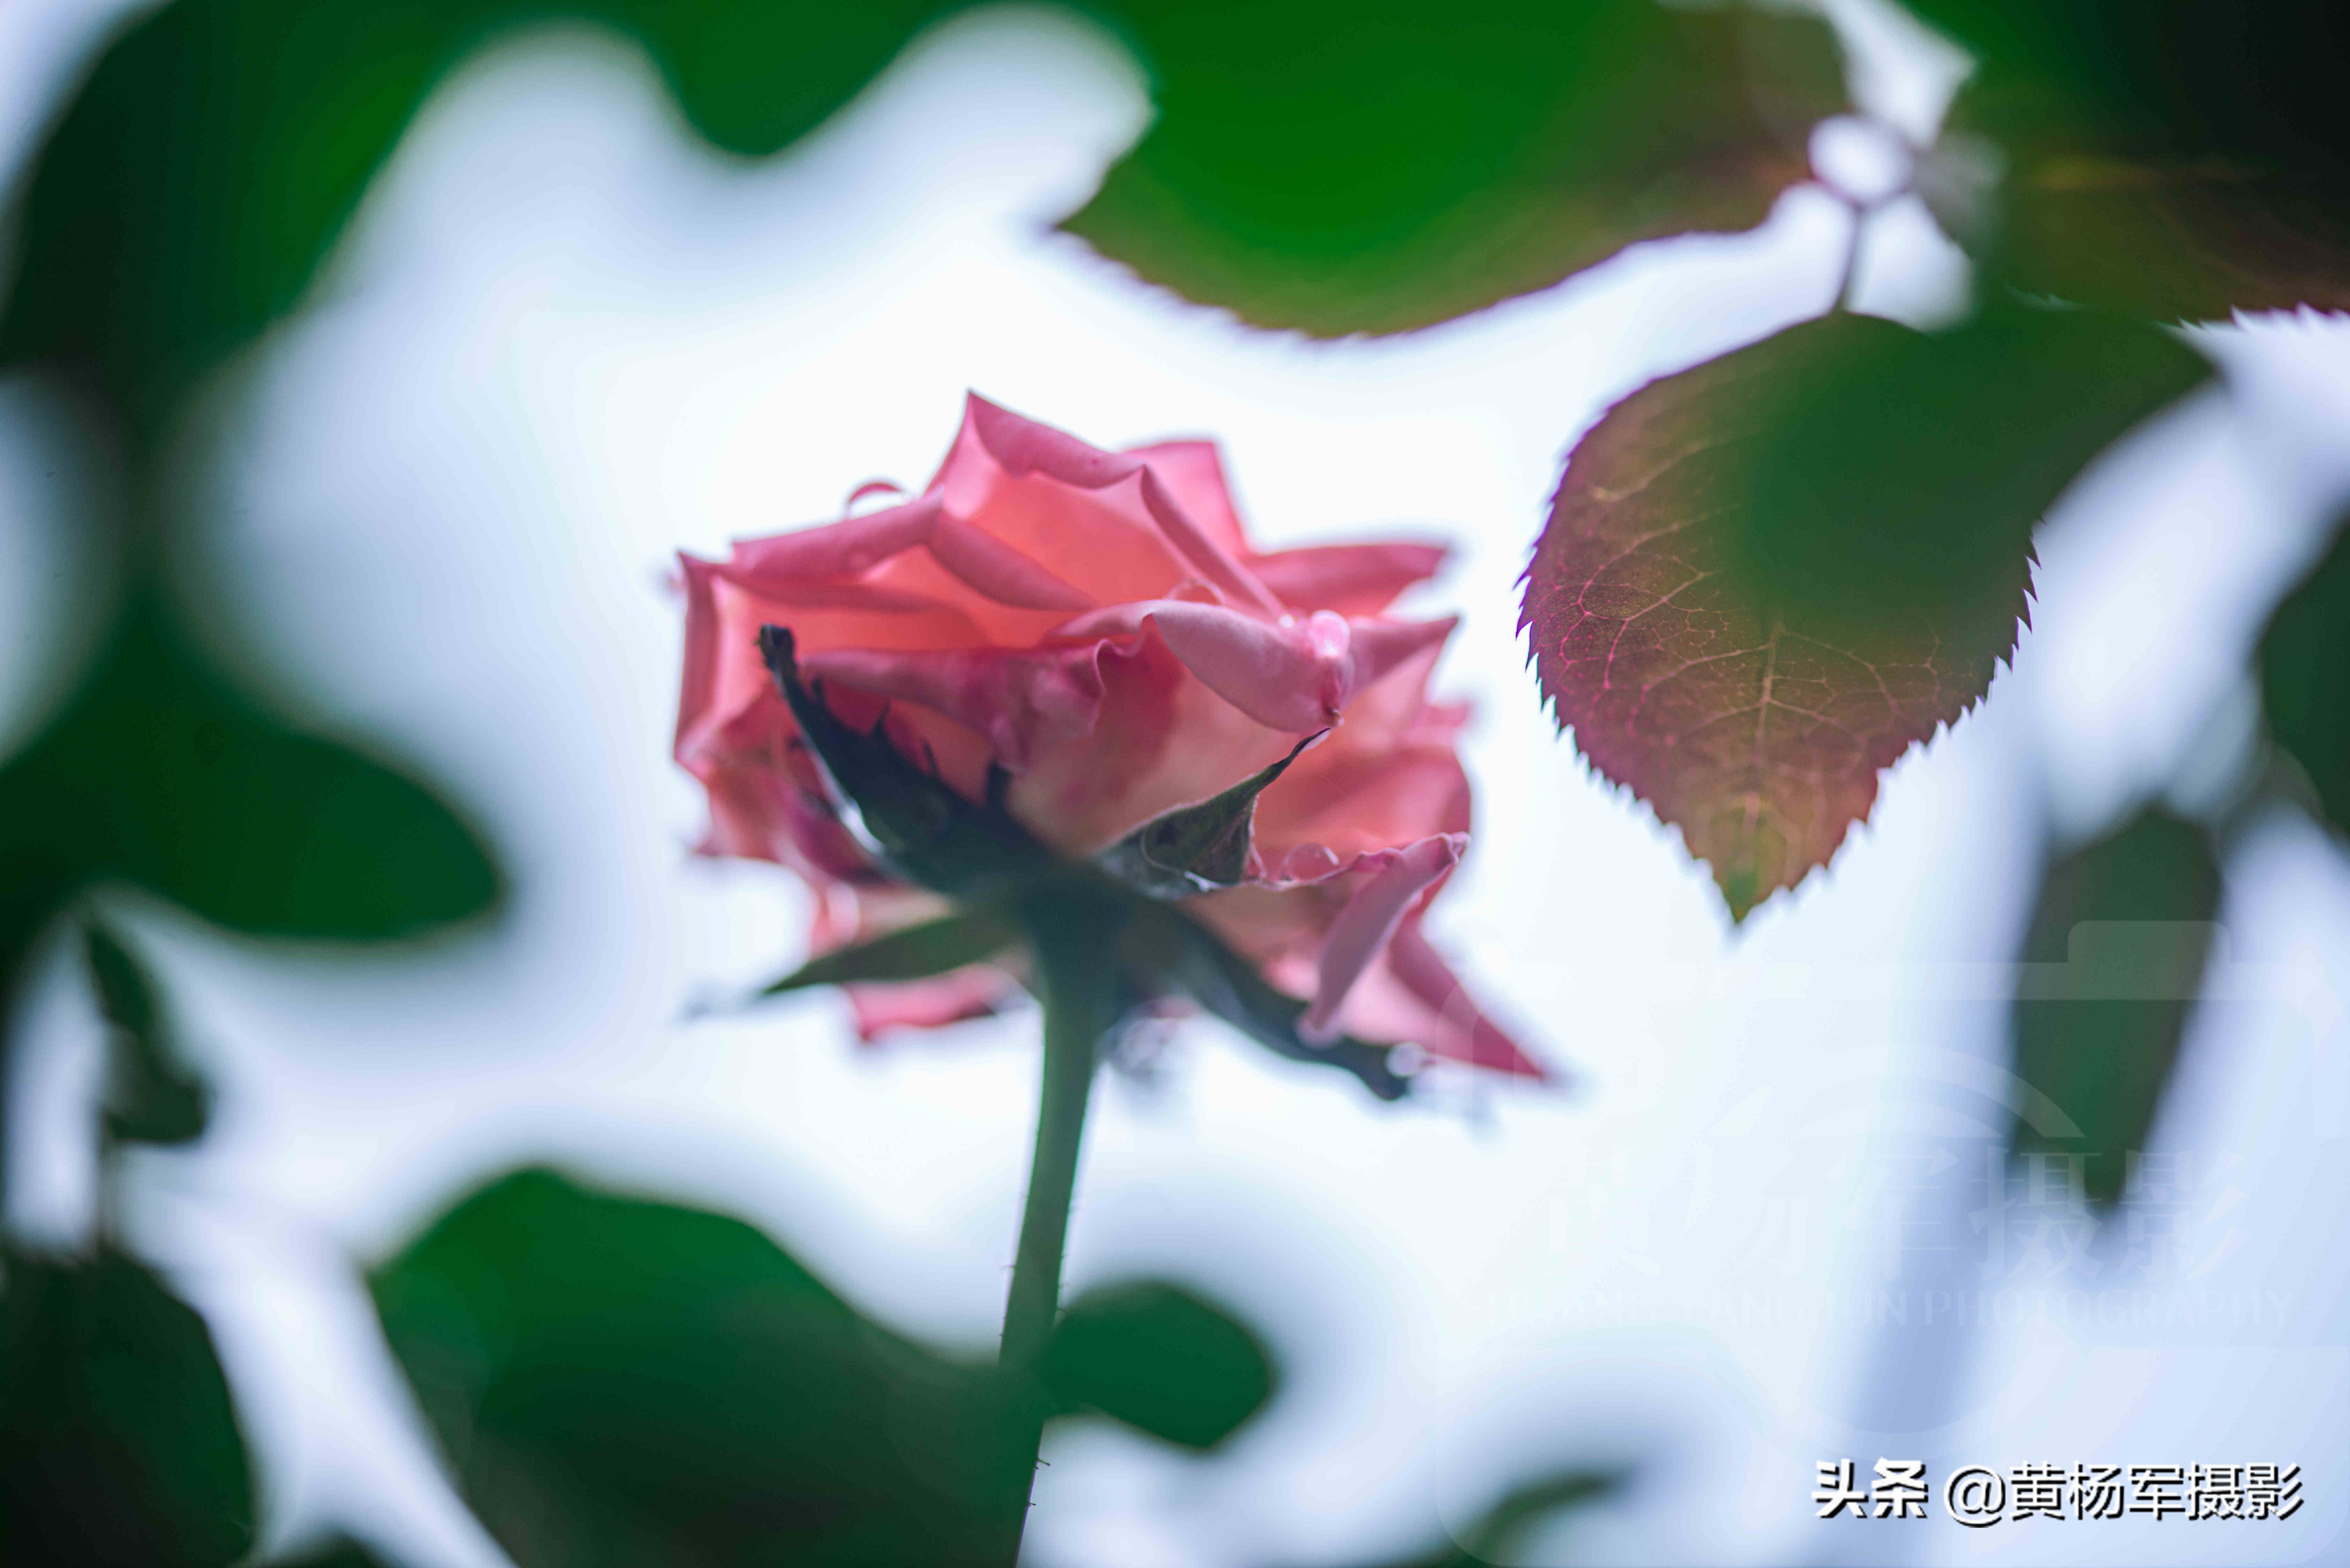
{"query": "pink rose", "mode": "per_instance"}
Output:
(1097, 624)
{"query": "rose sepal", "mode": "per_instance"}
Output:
(972, 934)
(1201, 848)
(921, 829)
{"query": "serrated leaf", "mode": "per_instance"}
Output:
(2304, 659)
(1197, 848)
(2130, 918)
(618, 1381)
(161, 773)
(117, 1440)
(1765, 579)
(152, 1095)
(1160, 1359)
(1357, 167)
(933, 948)
(2178, 158)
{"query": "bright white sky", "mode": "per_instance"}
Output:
(563, 341)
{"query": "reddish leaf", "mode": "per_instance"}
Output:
(1765, 579)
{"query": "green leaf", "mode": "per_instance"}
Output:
(153, 1094)
(339, 1553)
(617, 1381)
(169, 221)
(2129, 920)
(2178, 158)
(1498, 1535)
(1196, 848)
(1339, 168)
(117, 1440)
(1765, 579)
(161, 773)
(1342, 166)
(1160, 1359)
(2304, 659)
(935, 946)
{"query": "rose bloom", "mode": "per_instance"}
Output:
(1097, 624)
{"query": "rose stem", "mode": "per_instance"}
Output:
(1079, 987)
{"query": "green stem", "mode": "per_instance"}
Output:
(1079, 987)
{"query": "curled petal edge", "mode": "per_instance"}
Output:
(1369, 918)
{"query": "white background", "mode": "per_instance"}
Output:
(564, 340)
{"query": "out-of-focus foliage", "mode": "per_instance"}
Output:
(161, 774)
(618, 1381)
(199, 176)
(1501, 1533)
(2306, 679)
(1767, 577)
(341, 1552)
(2129, 919)
(153, 1094)
(118, 1442)
(1375, 165)
(1159, 1359)
(1333, 167)
(2178, 158)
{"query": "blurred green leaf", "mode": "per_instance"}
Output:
(2304, 659)
(340, 1552)
(117, 1440)
(153, 1094)
(1199, 847)
(966, 937)
(1160, 1359)
(199, 178)
(1499, 1534)
(1765, 579)
(2129, 920)
(621, 1381)
(618, 1381)
(160, 772)
(2178, 158)
(1332, 167)
(1378, 165)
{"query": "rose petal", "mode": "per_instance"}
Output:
(994, 568)
(1369, 918)
(723, 675)
(842, 549)
(975, 991)
(1194, 471)
(1378, 646)
(1459, 1029)
(1201, 550)
(1352, 579)
(1022, 446)
(1021, 701)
